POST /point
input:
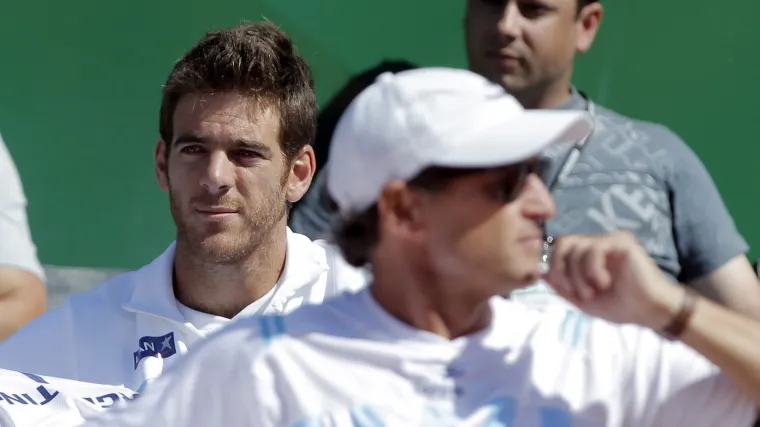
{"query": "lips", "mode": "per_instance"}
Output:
(508, 61)
(216, 210)
(505, 58)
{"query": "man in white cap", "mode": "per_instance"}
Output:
(438, 190)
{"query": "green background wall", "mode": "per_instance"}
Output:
(80, 84)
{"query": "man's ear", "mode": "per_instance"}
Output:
(589, 19)
(162, 164)
(300, 175)
(399, 209)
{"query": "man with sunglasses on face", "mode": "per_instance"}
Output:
(447, 213)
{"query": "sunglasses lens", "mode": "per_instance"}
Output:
(541, 168)
(514, 178)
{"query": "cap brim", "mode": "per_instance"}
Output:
(513, 141)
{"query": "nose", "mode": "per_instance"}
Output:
(509, 23)
(538, 203)
(219, 175)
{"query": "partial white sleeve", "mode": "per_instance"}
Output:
(16, 246)
(673, 385)
(215, 385)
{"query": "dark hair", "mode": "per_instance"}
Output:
(584, 3)
(256, 60)
(332, 111)
(357, 234)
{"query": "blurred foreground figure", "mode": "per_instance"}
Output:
(448, 214)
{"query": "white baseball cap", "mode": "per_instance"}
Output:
(406, 122)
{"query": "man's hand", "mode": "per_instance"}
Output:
(612, 277)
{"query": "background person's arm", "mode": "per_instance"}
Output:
(711, 251)
(729, 340)
(22, 298)
(22, 291)
(734, 284)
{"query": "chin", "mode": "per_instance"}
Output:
(513, 281)
(512, 84)
(220, 247)
(528, 276)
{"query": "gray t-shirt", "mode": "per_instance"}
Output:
(640, 176)
(631, 175)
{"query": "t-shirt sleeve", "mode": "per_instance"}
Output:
(705, 233)
(215, 385)
(673, 385)
(16, 246)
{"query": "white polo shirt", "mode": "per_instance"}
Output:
(33, 401)
(349, 363)
(16, 247)
(127, 330)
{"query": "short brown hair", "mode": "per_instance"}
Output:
(357, 234)
(253, 59)
(584, 3)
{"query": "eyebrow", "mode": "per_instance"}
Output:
(198, 138)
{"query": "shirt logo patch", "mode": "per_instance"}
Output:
(162, 347)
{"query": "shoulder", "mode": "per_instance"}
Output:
(113, 294)
(657, 134)
(57, 342)
(324, 260)
(97, 306)
(341, 275)
(110, 293)
(78, 317)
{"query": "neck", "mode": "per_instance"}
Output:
(225, 289)
(551, 95)
(420, 299)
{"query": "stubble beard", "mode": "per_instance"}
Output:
(231, 245)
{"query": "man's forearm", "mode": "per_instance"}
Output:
(734, 285)
(22, 298)
(728, 339)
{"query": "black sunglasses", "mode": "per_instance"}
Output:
(515, 175)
